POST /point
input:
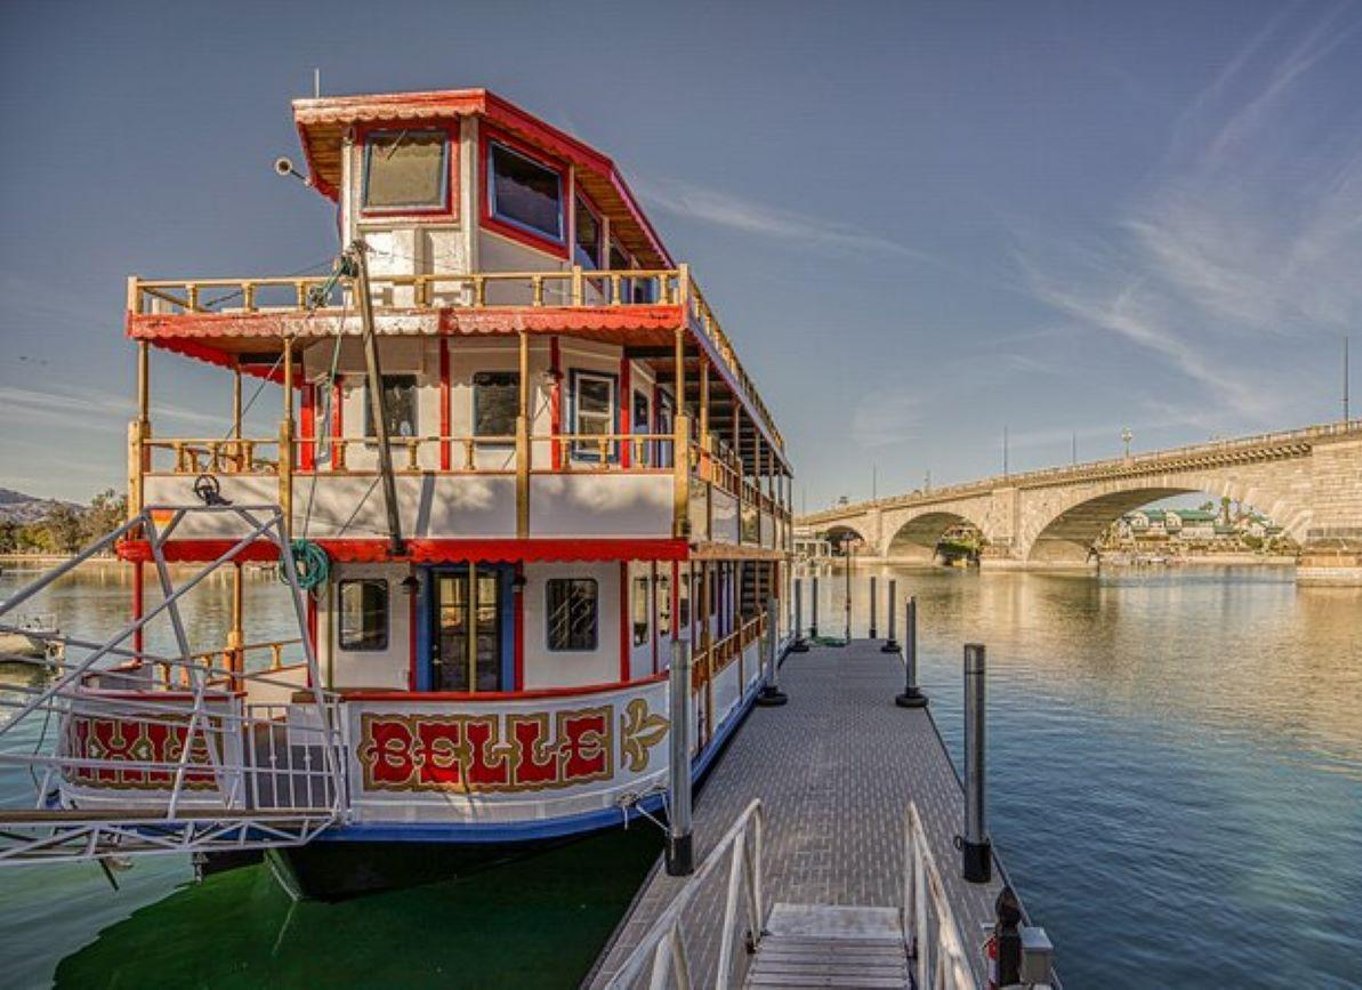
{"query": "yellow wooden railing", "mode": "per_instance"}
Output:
(222, 664)
(572, 287)
(711, 661)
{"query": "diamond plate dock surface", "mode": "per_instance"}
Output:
(835, 769)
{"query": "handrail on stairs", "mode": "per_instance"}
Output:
(934, 939)
(661, 954)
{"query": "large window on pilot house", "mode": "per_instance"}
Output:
(406, 170)
(524, 193)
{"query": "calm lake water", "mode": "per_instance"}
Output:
(1176, 788)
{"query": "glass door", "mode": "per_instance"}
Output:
(467, 654)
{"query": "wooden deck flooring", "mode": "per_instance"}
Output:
(835, 769)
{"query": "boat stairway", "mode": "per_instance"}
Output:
(124, 750)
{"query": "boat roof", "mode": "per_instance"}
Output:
(322, 124)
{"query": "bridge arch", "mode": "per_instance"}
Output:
(1061, 527)
(916, 537)
(838, 533)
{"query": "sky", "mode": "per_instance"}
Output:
(924, 224)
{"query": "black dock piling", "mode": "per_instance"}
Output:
(912, 696)
(891, 645)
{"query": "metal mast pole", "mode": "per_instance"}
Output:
(397, 547)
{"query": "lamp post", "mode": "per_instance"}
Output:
(1126, 437)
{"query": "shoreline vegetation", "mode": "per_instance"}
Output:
(64, 530)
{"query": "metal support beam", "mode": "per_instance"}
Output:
(912, 696)
(975, 848)
(680, 841)
(891, 645)
(771, 695)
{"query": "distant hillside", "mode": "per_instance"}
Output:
(23, 509)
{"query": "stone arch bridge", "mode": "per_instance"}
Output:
(1309, 481)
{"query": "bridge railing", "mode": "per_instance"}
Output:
(1135, 461)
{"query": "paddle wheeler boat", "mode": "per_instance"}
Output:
(518, 466)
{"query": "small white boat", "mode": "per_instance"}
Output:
(28, 638)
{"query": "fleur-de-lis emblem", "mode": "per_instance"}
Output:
(640, 731)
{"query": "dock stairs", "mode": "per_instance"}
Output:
(825, 945)
(726, 936)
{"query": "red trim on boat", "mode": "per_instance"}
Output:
(308, 429)
(422, 697)
(428, 551)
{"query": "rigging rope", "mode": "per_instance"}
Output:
(311, 562)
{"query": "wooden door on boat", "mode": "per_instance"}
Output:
(468, 631)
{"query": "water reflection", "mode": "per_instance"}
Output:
(1242, 649)
(1175, 762)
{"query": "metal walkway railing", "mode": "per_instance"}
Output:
(663, 958)
(172, 751)
(662, 954)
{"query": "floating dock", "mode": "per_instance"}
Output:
(835, 770)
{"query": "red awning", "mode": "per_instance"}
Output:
(425, 551)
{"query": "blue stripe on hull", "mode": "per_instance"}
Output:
(551, 828)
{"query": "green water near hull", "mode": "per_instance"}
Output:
(537, 922)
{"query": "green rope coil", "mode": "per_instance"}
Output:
(311, 562)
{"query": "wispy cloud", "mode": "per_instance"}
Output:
(87, 411)
(883, 417)
(799, 230)
(1247, 238)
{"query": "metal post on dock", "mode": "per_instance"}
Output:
(976, 850)
(771, 695)
(912, 696)
(680, 844)
(846, 640)
(891, 645)
(874, 632)
(800, 644)
(813, 610)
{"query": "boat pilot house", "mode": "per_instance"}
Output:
(517, 458)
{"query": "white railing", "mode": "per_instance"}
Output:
(935, 941)
(661, 958)
(132, 751)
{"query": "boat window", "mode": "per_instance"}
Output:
(664, 605)
(640, 604)
(594, 410)
(572, 613)
(638, 423)
(406, 170)
(587, 249)
(399, 406)
(524, 193)
(496, 404)
(363, 614)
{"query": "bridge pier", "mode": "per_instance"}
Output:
(1331, 562)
